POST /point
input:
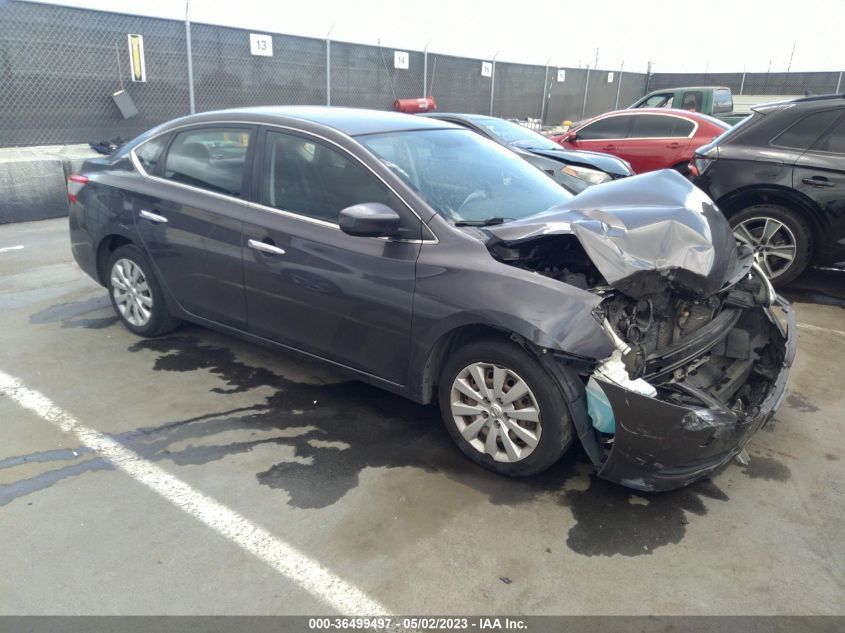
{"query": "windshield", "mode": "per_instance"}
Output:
(465, 177)
(513, 133)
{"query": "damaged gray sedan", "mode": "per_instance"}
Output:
(431, 262)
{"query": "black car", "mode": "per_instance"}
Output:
(424, 259)
(574, 169)
(779, 177)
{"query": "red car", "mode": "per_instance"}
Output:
(648, 138)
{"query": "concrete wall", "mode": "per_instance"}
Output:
(33, 180)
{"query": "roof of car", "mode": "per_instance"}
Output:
(690, 88)
(351, 121)
(676, 111)
(456, 115)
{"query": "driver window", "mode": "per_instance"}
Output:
(307, 177)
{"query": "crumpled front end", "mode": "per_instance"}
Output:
(714, 386)
(702, 345)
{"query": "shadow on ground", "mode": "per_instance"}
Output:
(824, 287)
(335, 431)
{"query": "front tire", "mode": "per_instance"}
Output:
(781, 240)
(502, 409)
(136, 295)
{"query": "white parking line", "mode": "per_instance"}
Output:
(816, 328)
(284, 558)
(19, 247)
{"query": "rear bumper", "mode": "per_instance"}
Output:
(81, 242)
(662, 446)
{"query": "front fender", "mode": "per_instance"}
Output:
(450, 294)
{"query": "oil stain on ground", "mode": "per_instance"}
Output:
(760, 467)
(338, 430)
(801, 403)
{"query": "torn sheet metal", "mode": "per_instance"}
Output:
(644, 234)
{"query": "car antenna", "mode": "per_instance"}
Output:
(389, 76)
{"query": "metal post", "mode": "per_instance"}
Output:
(190, 61)
(329, 66)
(586, 89)
(839, 82)
(742, 83)
(619, 86)
(492, 83)
(328, 72)
(425, 74)
(543, 96)
(425, 70)
(647, 78)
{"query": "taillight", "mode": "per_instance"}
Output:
(75, 182)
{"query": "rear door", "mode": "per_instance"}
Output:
(657, 141)
(309, 285)
(192, 230)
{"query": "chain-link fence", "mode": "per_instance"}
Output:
(796, 83)
(60, 66)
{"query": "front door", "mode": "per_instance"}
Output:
(192, 229)
(309, 285)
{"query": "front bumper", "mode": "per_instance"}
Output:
(662, 446)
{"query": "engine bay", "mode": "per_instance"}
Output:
(718, 352)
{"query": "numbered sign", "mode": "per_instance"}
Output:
(136, 58)
(561, 75)
(486, 69)
(610, 78)
(400, 60)
(261, 44)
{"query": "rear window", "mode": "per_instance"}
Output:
(209, 158)
(610, 127)
(149, 152)
(803, 134)
(833, 141)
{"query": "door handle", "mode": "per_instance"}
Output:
(153, 217)
(817, 181)
(609, 147)
(264, 247)
(674, 145)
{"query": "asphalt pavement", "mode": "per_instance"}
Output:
(199, 474)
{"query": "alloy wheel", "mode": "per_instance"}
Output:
(131, 292)
(496, 412)
(773, 242)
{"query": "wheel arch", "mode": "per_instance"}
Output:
(444, 346)
(105, 248)
(736, 201)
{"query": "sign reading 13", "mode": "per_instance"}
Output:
(261, 44)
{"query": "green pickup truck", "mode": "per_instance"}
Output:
(717, 101)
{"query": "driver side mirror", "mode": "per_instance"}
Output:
(369, 219)
(571, 137)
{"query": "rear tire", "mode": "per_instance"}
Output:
(136, 295)
(781, 239)
(530, 432)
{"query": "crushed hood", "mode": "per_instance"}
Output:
(644, 234)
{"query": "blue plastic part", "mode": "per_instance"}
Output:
(599, 409)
